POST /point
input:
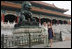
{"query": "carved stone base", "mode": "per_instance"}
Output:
(27, 29)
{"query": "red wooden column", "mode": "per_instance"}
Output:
(51, 20)
(39, 20)
(57, 21)
(17, 18)
(63, 22)
(70, 22)
(3, 17)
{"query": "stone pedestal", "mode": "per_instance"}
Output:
(25, 32)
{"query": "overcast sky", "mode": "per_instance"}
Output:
(61, 4)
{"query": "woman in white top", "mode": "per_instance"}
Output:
(45, 34)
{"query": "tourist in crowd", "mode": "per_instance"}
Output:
(45, 34)
(50, 33)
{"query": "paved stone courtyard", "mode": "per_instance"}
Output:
(62, 44)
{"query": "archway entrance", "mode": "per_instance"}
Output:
(11, 18)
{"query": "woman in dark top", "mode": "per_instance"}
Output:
(50, 33)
